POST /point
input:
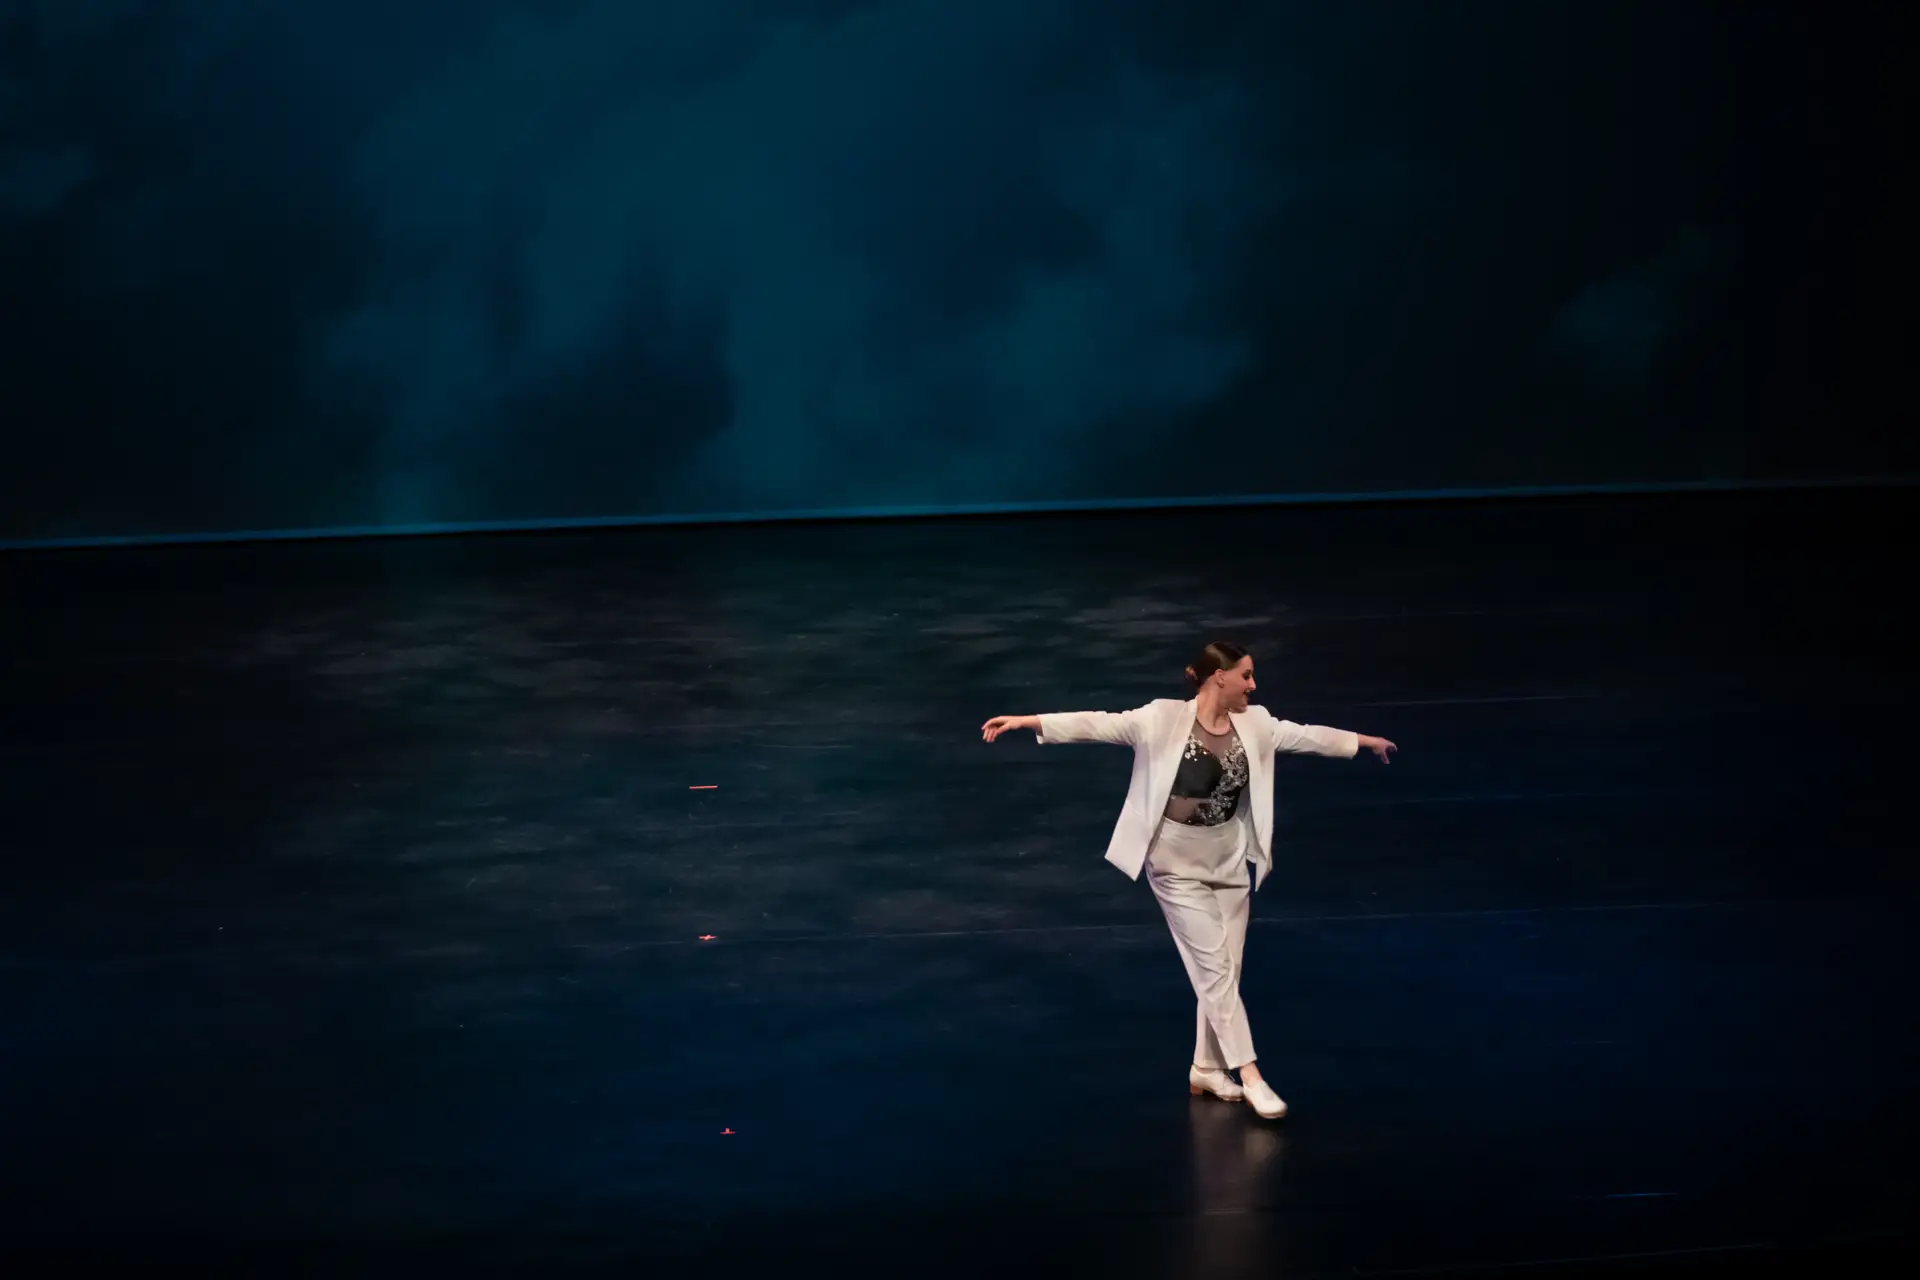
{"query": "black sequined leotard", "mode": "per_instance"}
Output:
(1212, 777)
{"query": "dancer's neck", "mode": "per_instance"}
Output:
(1208, 711)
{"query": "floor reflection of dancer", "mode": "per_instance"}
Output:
(1200, 807)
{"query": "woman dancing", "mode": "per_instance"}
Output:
(1199, 808)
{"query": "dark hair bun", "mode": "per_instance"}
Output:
(1218, 656)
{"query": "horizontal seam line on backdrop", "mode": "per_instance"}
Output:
(690, 520)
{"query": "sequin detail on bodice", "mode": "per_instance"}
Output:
(1211, 779)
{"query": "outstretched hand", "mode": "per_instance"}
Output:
(1379, 746)
(1001, 724)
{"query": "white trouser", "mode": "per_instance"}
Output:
(1199, 875)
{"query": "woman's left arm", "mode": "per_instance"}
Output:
(1319, 740)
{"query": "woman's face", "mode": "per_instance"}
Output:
(1235, 684)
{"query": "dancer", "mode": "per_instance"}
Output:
(1199, 809)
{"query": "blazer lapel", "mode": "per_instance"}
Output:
(1167, 751)
(1179, 731)
(1258, 761)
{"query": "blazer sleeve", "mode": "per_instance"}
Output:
(1120, 728)
(1312, 739)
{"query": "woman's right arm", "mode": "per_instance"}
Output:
(1121, 728)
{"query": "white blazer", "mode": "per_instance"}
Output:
(1158, 733)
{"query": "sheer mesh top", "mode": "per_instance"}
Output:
(1213, 774)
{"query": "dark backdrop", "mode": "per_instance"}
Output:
(288, 265)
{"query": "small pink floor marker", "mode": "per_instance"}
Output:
(712, 786)
(728, 1133)
(706, 937)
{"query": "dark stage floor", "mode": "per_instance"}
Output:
(354, 892)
